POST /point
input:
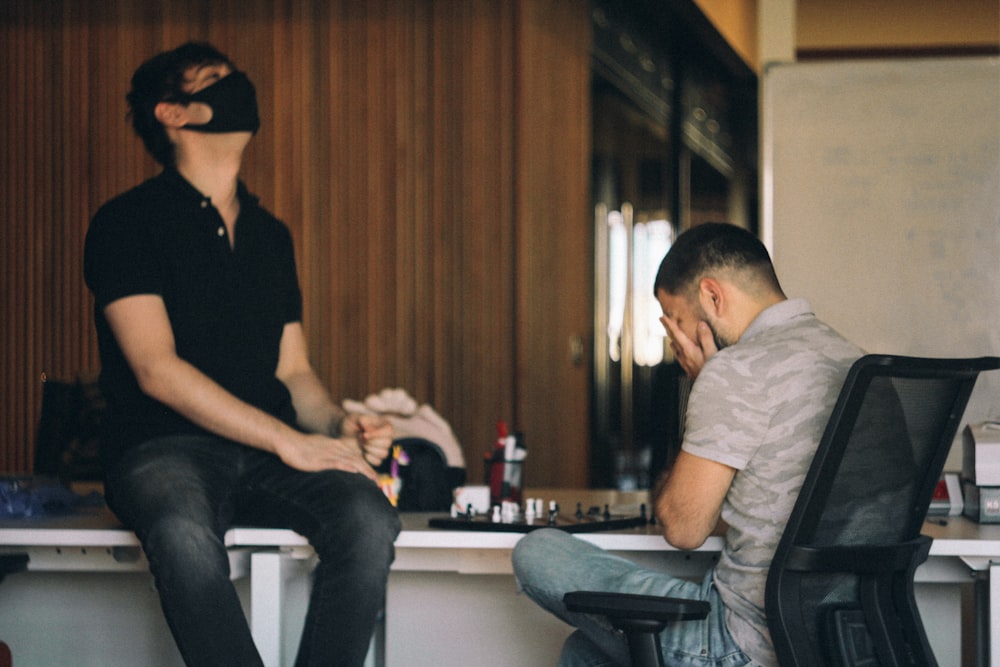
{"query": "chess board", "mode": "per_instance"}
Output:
(570, 522)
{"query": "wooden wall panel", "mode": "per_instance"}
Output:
(405, 143)
(554, 273)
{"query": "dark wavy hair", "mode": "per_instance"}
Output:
(161, 79)
(713, 247)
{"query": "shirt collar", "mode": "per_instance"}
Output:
(776, 315)
(183, 188)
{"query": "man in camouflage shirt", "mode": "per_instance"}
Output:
(766, 375)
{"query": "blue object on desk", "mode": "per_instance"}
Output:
(22, 498)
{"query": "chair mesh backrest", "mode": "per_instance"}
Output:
(874, 493)
(874, 472)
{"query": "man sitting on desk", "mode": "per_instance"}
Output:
(215, 414)
(766, 376)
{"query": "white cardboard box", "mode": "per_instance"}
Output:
(981, 453)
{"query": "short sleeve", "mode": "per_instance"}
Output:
(728, 416)
(292, 291)
(118, 258)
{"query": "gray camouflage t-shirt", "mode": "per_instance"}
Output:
(760, 406)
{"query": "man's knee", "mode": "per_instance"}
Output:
(180, 547)
(366, 520)
(534, 551)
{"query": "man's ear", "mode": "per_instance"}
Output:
(170, 114)
(711, 296)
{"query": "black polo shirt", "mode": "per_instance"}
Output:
(227, 306)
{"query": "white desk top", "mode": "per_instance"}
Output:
(959, 537)
(101, 529)
(90, 528)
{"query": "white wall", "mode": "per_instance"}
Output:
(881, 195)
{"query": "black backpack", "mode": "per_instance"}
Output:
(428, 482)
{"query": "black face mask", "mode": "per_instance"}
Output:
(233, 101)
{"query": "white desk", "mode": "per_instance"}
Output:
(455, 577)
(428, 560)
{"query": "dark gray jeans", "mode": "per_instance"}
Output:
(180, 494)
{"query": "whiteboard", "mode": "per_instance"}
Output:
(881, 203)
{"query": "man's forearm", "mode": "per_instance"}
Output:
(195, 396)
(314, 408)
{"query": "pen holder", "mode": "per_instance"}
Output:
(505, 481)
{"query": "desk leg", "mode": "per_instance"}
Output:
(991, 629)
(265, 605)
(981, 594)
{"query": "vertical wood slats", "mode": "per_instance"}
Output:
(553, 288)
(407, 145)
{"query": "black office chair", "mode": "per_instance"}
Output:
(840, 586)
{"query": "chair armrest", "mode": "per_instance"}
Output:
(638, 607)
(860, 559)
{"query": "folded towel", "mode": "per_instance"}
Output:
(395, 401)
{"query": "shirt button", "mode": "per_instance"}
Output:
(221, 231)
(204, 203)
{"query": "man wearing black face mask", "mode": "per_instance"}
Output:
(215, 416)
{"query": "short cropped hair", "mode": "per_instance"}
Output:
(715, 247)
(161, 79)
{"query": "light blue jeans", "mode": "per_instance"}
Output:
(549, 563)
